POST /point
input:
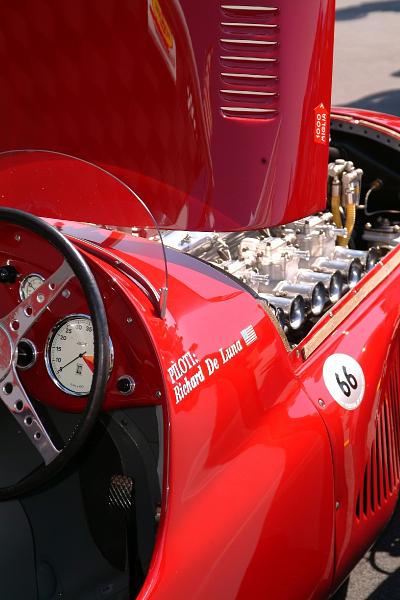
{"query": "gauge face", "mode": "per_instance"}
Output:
(29, 284)
(69, 355)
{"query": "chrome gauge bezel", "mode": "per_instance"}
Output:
(47, 358)
(34, 354)
(23, 282)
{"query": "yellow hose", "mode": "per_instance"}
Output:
(350, 221)
(335, 207)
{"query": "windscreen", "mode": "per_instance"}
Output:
(65, 188)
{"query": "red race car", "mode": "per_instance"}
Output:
(200, 277)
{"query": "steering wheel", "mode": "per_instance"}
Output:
(13, 328)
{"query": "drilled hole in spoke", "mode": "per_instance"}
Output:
(28, 421)
(52, 286)
(8, 388)
(14, 325)
(28, 311)
(19, 405)
(37, 435)
(40, 298)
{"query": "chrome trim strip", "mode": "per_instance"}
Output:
(257, 25)
(248, 42)
(248, 93)
(249, 76)
(362, 123)
(121, 265)
(250, 59)
(242, 109)
(249, 8)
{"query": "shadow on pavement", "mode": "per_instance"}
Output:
(357, 12)
(386, 102)
(389, 545)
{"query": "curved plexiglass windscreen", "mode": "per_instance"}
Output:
(65, 188)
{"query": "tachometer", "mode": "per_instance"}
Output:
(70, 353)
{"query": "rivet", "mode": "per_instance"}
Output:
(321, 403)
(129, 319)
(17, 237)
(157, 394)
(337, 505)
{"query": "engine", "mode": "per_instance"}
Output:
(299, 270)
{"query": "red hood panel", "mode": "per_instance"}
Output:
(209, 112)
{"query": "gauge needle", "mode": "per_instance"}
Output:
(89, 360)
(71, 361)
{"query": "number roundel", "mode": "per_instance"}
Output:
(345, 380)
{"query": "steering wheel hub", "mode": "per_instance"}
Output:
(6, 353)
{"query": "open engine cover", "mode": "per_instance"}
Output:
(215, 114)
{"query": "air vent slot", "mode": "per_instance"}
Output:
(382, 472)
(249, 45)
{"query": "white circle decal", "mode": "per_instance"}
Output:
(345, 380)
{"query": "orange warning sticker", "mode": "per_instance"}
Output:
(321, 125)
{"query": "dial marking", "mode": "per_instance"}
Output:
(69, 354)
(29, 284)
(70, 341)
(89, 360)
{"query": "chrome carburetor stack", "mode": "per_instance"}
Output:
(299, 269)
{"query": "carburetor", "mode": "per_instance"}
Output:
(299, 269)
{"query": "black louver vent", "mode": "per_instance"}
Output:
(382, 472)
(249, 61)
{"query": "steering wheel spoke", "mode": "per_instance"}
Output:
(23, 316)
(18, 403)
(15, 325)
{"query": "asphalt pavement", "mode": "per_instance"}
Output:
(367, 75)
(367, 55)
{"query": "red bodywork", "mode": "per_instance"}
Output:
(233, 444)
(95, 75)
(379, 122)
(266, 478)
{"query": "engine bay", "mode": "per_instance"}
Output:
(300, 270)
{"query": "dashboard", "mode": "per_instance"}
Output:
(56, 357)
